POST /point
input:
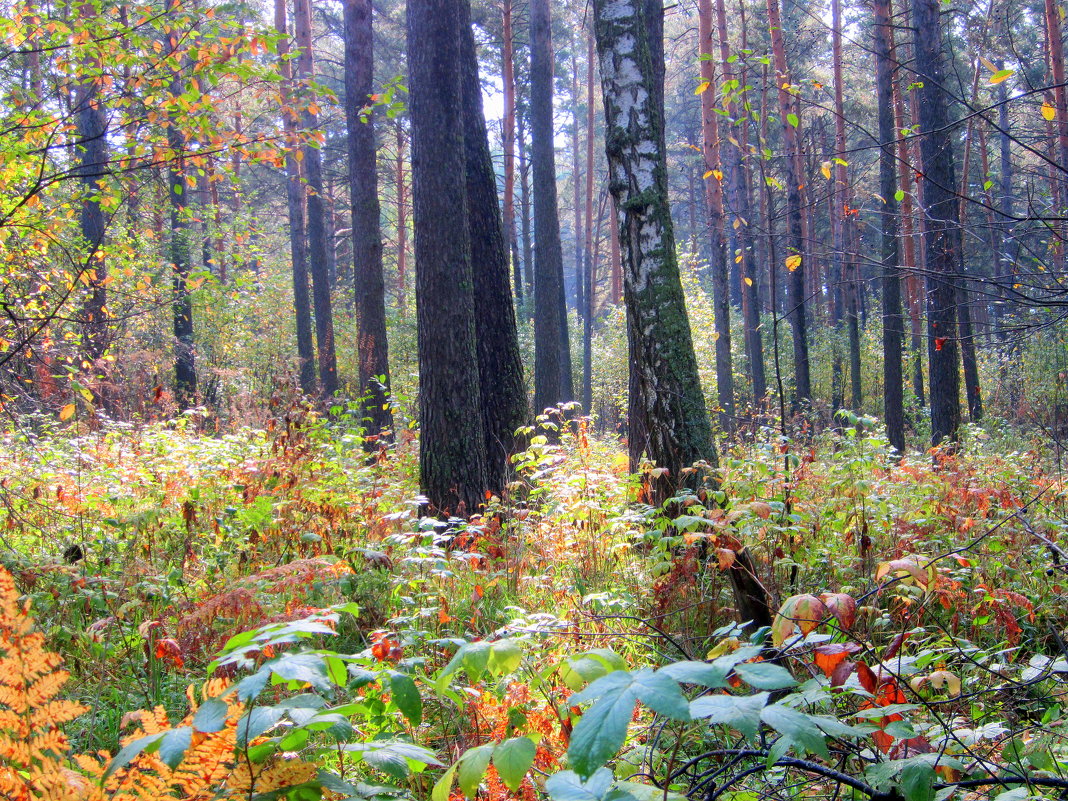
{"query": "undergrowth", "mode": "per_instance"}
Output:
(920, 633)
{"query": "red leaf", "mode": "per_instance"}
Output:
(867, 679)
(939, 342)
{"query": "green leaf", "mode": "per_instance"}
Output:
(174, 744)
(697, 673)
(568, 786)
(211, 716)
(255, 722)
(406, 697)
(475, 659)
(577, 671)
(899, 195)
(304, 668)
(917, 781)
(513, 759)
(765, 675)
(792, 119)
(738, 712)
(798, 726)
(472, 767)
(505, 657)
(443, 786)
(602, 730)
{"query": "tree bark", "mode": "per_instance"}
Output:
(185, 374)
(452, 453)
(739, 208)
(720, 260)
(316, 207)
(893, 320)
(92, 150)
(675, 430)
(504, 409)
(508, 141)
(552, 360)
(795, 309)
(588, 267)
(371, 342)
(298, 248)
(942, 235)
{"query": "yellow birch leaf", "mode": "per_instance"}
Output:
(793, 262)
(709, 174)
(825, 168)
(1048, 112)
(748, 281)
(1001, 75)
(702, 87)
(67, 412)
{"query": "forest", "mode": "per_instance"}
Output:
(533, 400)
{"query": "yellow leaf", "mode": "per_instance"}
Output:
(709, 174)
(793, 262)
(748, 281)
(1000, 75)
(702, 87)
(67, 412)
(1048, 111)
(825, 168)
(738, 260)
(718, 174)
(988, 64)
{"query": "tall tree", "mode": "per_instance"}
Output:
(371, 343)
(788, 113)
(315, 204)
(92, 151)
(588, 267)
(508, 143)
(710, 146)
(845, 265)
(185, 374)
(504, 409)
(738, 205)
(942, 235)
(552, 360)
(893, 321)
(452, 452)
(675, 428)
(298, 246)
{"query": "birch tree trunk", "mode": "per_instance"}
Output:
(675, 431)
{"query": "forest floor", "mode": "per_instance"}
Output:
(144, 549)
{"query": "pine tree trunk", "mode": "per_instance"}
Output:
(552, 360)
(402, 222)
(92, 169)
(452, 452)
(508, 141)
(316, 209)
(500, 368)
(893, 320)
(675, 431)
(908, 238)
(588, 267)
(298, 248)
(524, 211)
(720, 260)
(185, 374)
(370, 287)
(942, 236)
(795, 311)
(844, 266)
